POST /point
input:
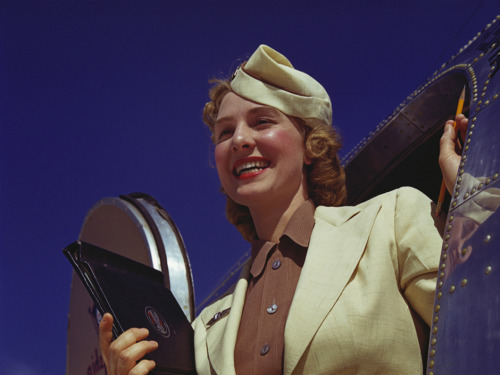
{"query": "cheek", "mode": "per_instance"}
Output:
(289, 144)
(220, 160)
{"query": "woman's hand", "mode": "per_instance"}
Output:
(121, 356)
(449, 158)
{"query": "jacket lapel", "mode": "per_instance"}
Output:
(336, 246)
(221, 334)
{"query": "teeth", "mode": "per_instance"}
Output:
(251, 166)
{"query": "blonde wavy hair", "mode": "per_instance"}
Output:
(325, 175)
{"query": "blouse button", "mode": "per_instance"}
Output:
(276, 264)
(265, 349)
(272, 309)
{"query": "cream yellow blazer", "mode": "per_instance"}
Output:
(370, 272)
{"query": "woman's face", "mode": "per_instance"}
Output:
(259, 154)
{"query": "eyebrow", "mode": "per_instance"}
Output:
(270, 111)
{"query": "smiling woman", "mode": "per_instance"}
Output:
(328, 288)
(267, 148)
(324, 176)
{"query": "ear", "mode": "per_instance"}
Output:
(307, 161)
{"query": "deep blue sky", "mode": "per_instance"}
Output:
(101, 98)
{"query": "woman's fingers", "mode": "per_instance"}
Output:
(129, 348)
(449, 159)
(127, 358)
(121, 355)
(105, 336)
(143, 367)
(461, 123)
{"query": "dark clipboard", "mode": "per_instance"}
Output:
(136, 297)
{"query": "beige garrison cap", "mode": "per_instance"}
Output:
(269, 78)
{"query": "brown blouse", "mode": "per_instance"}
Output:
(274, 275)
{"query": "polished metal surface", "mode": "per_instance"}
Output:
(403, 150)
(178, 267)
(137, 227)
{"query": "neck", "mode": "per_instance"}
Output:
(270, 220)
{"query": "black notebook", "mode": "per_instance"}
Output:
(136, 297)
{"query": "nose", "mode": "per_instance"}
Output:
(243, 138)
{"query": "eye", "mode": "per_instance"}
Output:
(264, 122)
(223, 134)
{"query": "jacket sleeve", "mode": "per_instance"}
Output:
(418, 241)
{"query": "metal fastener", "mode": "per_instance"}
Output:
(272, 309)
(265, 349)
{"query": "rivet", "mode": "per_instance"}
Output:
(466, 148)
(461, 171)
(454, 204)
(431, 364)
(440, 284)
(447, 237)
(473, 190)
(487, 270)
(465, 156)
(439, 295)
(495, 176)
(480, 186)
(444, 257)
(433, 352)
(471, 132)
(487, 102)
(487, 238)
(463, 283)
(466, 195)
(433, 341)
(435, 330)
(449, 227)
(452, 289)
(441, 275)
(436, 309)
(456, 194)
(488, 180)
(464, 251)
(443, 266)
(446, 246)
(495, 97)
(459, 179)
(451, 218)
